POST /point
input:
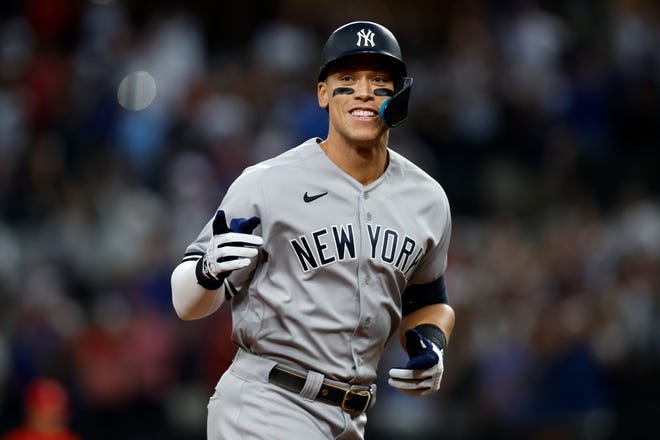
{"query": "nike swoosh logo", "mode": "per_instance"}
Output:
(307, 198)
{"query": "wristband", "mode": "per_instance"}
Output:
(203, 280)
(434, 334)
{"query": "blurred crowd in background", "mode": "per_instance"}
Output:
(541, 119)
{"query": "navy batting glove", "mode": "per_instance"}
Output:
(232, 247)
(423, 372)
(240, 225)
(420, 350)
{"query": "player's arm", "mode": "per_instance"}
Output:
(438, 315)
(427, 305)
(425, 329)
(198, 286)
(190, 299)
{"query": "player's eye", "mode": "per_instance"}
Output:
(381, 78)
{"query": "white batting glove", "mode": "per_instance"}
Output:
(423, 372)
(231, 247)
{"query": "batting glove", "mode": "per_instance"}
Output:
(423, 372)
(231, 247)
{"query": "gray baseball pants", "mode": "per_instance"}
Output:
(246, 406)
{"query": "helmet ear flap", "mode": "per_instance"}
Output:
(395, 109)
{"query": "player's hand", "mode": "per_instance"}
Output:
(232, 247)
(423, 372)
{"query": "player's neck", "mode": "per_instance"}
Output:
(364, 163)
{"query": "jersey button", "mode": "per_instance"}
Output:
(368, 216)
(366, 196)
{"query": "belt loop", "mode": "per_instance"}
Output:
(312, 385)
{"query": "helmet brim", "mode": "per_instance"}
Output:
(389, 63)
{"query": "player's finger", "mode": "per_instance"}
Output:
(245, 226)
(408, 385)
(411, 384)
(406, 374)
(220, 223)
(239, 239)
(410, 389)
(230, 265)
(235, 251)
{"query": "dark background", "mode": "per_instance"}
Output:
(540, 119)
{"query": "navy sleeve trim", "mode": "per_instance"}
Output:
(192, 256)
(417, 296)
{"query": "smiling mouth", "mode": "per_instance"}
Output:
(363, 114)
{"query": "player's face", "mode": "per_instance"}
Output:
(353, 94)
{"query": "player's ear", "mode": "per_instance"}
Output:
(323, 95)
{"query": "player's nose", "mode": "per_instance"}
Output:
(363, 89)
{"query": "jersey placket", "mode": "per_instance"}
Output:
(360, 336)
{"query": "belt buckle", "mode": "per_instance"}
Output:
(356, 392)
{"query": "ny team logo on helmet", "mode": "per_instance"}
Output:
(366, 37)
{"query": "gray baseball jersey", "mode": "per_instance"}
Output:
(325, 291)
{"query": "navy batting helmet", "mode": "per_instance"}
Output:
(361, 37)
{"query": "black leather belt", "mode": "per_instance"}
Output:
(354, 399)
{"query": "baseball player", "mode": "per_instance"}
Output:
(324, 252)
